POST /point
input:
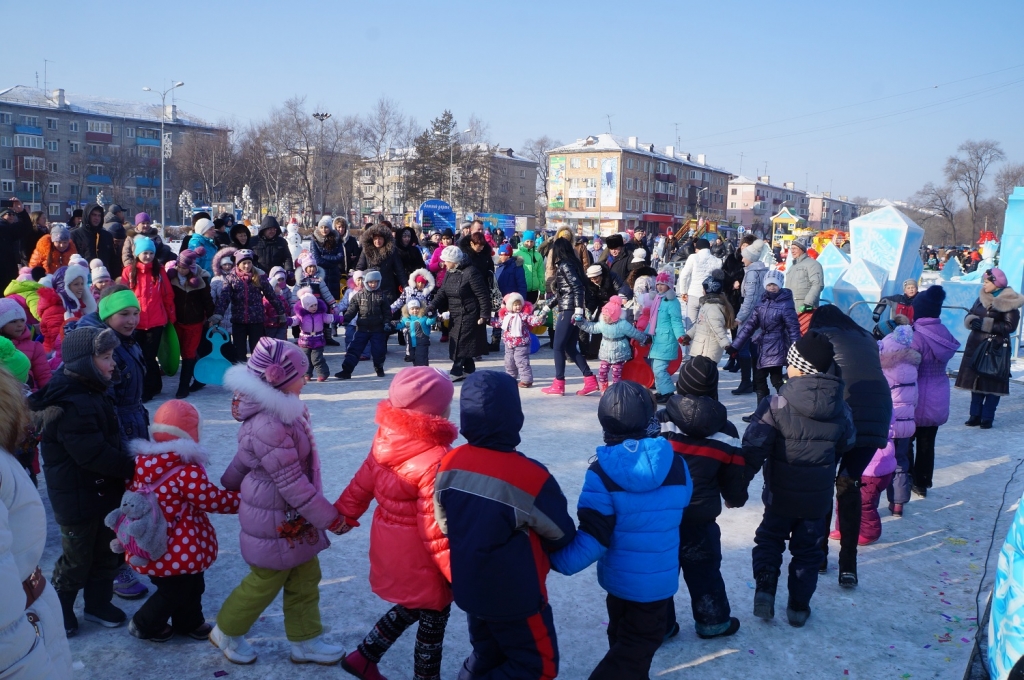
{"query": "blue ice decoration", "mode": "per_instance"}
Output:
(1011, 261)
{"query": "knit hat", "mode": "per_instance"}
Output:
(594, 270)
(25, 274)
(13, 360)
(115, 302)
(99, 271)
(910, 282)
(701, 244)
(625, 412)
(614, 241)
(84, 342)
(612, 309)
(203, 225)
(243, 254)
(421, 388)
(698, 376)
(776, 277)
(142, 218)
(176, 419)
(928, 303)
(356, 274)
(802, 242)
(665, 277)
(307, 299)
(143, 244)
(20, 299)
(504, 249)
(713, 283)
(640, 230)
(325, 221)
(78, 260)
(60, 233)
(812, 353)
(904, 335)
(996, 276)
(304, 260)
(512, 298)
(527, 236)
(753, 251)
(639, 255)
(452, 254)
(187, 259)
(10, 311)
(65, 276)
(414, 303)
(276, 362)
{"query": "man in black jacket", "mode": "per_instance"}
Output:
(92, 240)
(270, 248)
(618, 254)
(15, 224)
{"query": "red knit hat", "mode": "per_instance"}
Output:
(664, 277)
(613, 308)
(421, 388)
(176, 419)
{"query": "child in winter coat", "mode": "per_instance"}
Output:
(223, 265)
(615, 333)
(421, 287)
(409, 560)
(193, 306)
(697, 426)
(799, 436)
(497, 541)
(100, 278)
(148, 280)
(279, 282)
(629, 511)
(14, 327)
(353, 286)
(709, 336)
(283, 512)
(312, 318)
(371, 304)
(417, 324)
(67, 300)
(310, 275)
(899, 364)
(515, 321)
(666, 329)
(172, 467)
(27, 286)
(244, 290)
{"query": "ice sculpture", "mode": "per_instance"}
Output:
(1012, 259)
(888, 239)
(951, 270)
(859, 288)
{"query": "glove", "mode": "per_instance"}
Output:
(446, 315)
(342, 525)
(216, 319)
(976, 324)
(806, 308)
(685, 340)
(648, 340)
(731, 351)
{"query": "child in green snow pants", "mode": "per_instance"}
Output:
(257, 590)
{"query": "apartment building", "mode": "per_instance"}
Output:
(606, 184)
(826, 212)
(753, 202)
(59, 150)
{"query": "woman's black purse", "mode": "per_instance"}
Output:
(992, 358)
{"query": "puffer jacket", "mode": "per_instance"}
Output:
(373, 309)
(210, 248)
(283, 513)
(409, 558)
(287, 299)
(580, 248)
(48, 257)
(506, 321)
(570, 292)
(709, 336)
(1000, 316)
(510, 277)
(699, 430)
(311, 324)
(271, 252)
(775, 318)
(40, 373)
(806, 279)
(799, 436)
(155, 295)
(668, 329)
(629, 512)
(246, 298)
(114, 224)
(184, 498)
(317, 284)
(330, 259)
(192, 304)
(752, 288)
(615, 337)
(937, 346)
(217, 282)
(533, 267)
(899, 364)
(424, 295)
(51, 318)
(29, 290)
(697, 268)
(384, 259)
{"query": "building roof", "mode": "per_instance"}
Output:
(503, 152)
(741, 179)
(89, 104)
(609, 142)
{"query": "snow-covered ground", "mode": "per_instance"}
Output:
(911, 617)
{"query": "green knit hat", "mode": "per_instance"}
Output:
(115, 302)
(14, 360)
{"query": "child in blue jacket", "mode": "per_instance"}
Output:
(630, 511)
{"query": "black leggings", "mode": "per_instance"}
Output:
(244, 336)
(922, 462)
(429, 638)
(149, 343)
(565, 344)
(761, 380)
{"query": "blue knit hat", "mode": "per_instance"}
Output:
(529, 236)
(143, 244)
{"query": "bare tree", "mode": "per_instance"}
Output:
(966, 171)
(207, 159)
(1009, 176)
(938, 202)
(123, 166)
(536, 150)
(267, 165)
(385, 135)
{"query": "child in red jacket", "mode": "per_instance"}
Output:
(409, 563)
(149, 282)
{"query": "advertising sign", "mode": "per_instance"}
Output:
(435, 214)
(609, 182)
(556, 182)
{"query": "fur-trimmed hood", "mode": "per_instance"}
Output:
(899, 355)
(1006, 301)
(374, 255)
(255, 396)
(186, 450)
(227, 251)
(397, 424)
(431, 283)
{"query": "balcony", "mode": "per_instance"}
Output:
(776, 201)
(759, 208)
(664, 177)
(368, 179)
(147, 182)
(28, 130)
(99, 137)
(27, 196)
(142, 141)
(664, 197)
(97, 179)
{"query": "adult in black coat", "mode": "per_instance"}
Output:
(240, 236)
(329, 254)
(351, 244)
(408, 246)
(92, 240)
(617, 254)
(270, 248)
(479, 253)
(465, 296)
(379, 253)
(15, 225)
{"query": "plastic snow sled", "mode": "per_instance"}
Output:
(211, 368)
(169, 353)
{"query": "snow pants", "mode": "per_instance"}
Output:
(870, 493)
(848, 518)
(635, 631)
(662, 378)
(922, 461)
(899, 488)
(761, 376)
(258, 589)
(87, 561)
(805, 537)
(517, 363)
(178, 598)
(512, 650)
(420, 354)
(315, 360)
(189, 335)
(378, 342)
(700, 559)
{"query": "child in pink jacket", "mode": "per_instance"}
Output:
(283, 513)
(409, 563)
(14, 327)
(900, 363)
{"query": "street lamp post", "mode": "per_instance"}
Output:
(163, 150)
(451, 167)
(322, 117)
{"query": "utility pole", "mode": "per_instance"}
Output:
(322, 117)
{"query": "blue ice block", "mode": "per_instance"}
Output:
(1011, 260)
(951, 270)
(859, 289)
(890, 240)
(834, 262)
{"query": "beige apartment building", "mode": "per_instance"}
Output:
(753, 202)
(826, 212)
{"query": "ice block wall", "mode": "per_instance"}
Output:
(1011, 259)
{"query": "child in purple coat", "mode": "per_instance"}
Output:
(313, 320)
(899, 364)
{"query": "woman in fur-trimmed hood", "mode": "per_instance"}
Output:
(381, 254)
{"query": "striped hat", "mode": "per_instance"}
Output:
(276, 362)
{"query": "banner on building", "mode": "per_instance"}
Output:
(556, 182)
(583, 192)
(609, 182)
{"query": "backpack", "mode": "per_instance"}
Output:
(139, 524)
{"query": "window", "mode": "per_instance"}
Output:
(99, 126)
(52, 145)
(146, 133)
(504, 169)
(522, 173)
(574, 202)
(732, 192)
(6, 164)
(95, 169)
(5, 118)
(29, 120)
(149, 151)
(592, 163)
(73, 147)
(5, 140)
(53, 188)
(32, 187)
(522, 191)
(91, 190)
(574, 162)
(7, 185)
(73, 169)
(51, 123)
(53, 210)
(733, 204)
(129, 132)
(629, 182)
(129, 192)
(647, 166)
(51, 167)
(28, 141)
(629, 163)
(591, 182)
(591, 202)
(94, 149)
(74, 189)
(34, 163)
(73, 126)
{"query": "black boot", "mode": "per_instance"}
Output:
(746, 386)
(764, 596)
(798, 613)
(185, 378)
(98, 607)
(733, 365)
(973, 421)
(195, 385)
(67, 606)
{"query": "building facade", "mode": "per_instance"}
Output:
(59, 151)
(826, 212)
(606, 184)
(753, 202)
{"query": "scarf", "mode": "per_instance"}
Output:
(513, 325)
(652, 323)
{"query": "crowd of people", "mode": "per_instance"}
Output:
(936, 259)
(855, 413)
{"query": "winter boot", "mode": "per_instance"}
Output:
(848, 579)
(708, 632)
(185, 378)
(746, 386)
(973, 421)
(604, 387)
(358, 665)
(67, 606)
(764, 596)
(896, 509)
(127, 586)
(379, 370)
(343, 374)
(732, 366)
(98, 608)
(236, 649)
(797, 613)
(526, 384)
(163, 636)
(589, 386)
(316, 651)
(195, 385)
(557, 388)
(986, 424)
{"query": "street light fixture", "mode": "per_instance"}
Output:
(322, 117)
(163, 150)
(451, 167)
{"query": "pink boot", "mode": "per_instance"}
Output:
(589, 386)
(361, 667)
(557, 388)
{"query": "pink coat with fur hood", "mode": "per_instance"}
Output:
(899, 364)
(284, 514)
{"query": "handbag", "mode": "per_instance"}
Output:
(992, 358)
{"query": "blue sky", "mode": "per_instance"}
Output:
(836, 94)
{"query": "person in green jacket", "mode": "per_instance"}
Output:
(533, 263)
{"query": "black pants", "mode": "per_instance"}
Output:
(565, 345)
(635, 631)
(700, 558)
(149, 343)
(421, 354)
(922, 463)
(761, 380)
(849, 506)
(805, 537)
(244, 337)
(461, 366)
(178, 598)
(526, 649)
(87, 561)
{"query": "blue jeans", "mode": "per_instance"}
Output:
(984, 405)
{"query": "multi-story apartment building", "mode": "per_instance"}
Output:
(58, 151)
(753, 202)
(826, 212)
(606, 184)
(506, 183)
